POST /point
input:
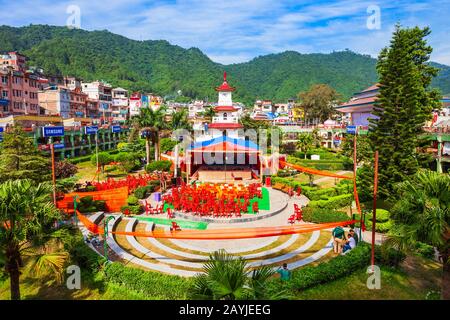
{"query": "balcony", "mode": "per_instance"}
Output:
(225, 120)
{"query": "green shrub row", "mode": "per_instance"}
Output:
(342, 266)
(335, 202)
(154, 284)
(317, 215)
(424, 250)
(144, 192)
(160, 165)
(89, 156)
(306, 189)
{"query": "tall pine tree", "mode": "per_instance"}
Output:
(20, 158)
(404, 104)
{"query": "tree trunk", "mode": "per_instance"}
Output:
(13, 262)
(147, 149)
(445, 276)
(157, 147)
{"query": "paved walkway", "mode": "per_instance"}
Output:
(320, 180)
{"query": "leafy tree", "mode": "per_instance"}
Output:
(317, 138)
(404, 105)
(304, 142)
(20, 158)
(180, 120)
(26, 217)
(422, 214)
(65, 169)
(160, 165)
(249, 123)
(226, 277)
(319, 101)
(364, 152)
(127, 160)
(167, 145)
(104, 158)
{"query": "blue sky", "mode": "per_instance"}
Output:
(230, 31)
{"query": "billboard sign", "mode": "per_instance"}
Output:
(91, 129)
(53, 131)
(351, 129)
(115, 129)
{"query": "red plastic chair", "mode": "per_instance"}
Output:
(175, 227)
(291, 219)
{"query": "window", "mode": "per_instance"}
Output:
(5, 94)
(4, 79)
(225, 115)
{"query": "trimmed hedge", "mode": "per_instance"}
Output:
(156, 285)
(88, 157)
(344, 265)
(144, 192)
(317, 215)
(335, 202)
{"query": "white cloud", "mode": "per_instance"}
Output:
(234, 31)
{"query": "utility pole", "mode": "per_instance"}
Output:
(52, 150)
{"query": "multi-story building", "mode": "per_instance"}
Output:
(195, 108)
(92, 108)
(120, 104)
(18, 92)
(55, 101)
(72, 82)
(102, 92)
(13, 59)
(78, 106)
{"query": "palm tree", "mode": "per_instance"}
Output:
(26, 217)
(209, 113)
(150, 123)
(227, 277)
(180, 120)
(304, 142)
(422, 213)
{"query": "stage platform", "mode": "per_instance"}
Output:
(225, 174)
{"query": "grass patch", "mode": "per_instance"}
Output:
(184, 224)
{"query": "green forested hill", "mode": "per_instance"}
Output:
(158, 66)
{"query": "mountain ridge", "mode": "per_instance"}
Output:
(163, 68)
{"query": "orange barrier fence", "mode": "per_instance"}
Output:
(115, 198)
(219, 234)
(313, 171)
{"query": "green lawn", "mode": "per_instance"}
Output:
(182, 223)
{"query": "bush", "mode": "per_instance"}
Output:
(132, 209)
(345, 265)
(154, 284)
(132, 200)
(144, 192)
(127, 161)
(382, 215)
(88, 204)
(161, 165)
(388, 256)
(335, 202)
(424, 250)
(336, 268)
(65, 169)
(317, 215)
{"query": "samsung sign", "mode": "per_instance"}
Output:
(351, 129)
(53, 131)
(91, 130)
(115, 129)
